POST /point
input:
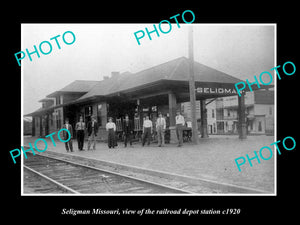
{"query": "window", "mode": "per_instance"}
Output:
(57, 100)
(228, 112)
(51, 119)
(58, 121)
(213, 113)
(88, 111)
(270, 110)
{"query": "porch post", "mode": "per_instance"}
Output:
(242, 128)
(203, 112)
(172, 114)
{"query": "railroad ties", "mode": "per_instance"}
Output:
(82, 179)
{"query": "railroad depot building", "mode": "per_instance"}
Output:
(161, 88)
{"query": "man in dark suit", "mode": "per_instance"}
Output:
(92, 129)
(127, 130)
(69, 143)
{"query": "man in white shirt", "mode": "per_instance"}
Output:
(179, 119)
(147, 130)
(160, 128)
(111, 128)
(80, 128)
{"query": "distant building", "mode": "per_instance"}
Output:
(259, 113)
(211, 114)
(222, 113)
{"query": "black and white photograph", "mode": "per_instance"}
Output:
(166, 109)
(149, 112)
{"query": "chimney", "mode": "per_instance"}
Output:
(113, 74)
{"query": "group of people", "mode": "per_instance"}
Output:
(80, 127)
(128, 130)
(147, 129)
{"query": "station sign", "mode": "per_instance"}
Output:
(215, 90)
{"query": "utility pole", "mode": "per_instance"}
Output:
(192, 85)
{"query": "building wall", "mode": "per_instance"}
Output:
(211, 118)
(37, 126)
(260, 116)
(264, 118)
(58, 118)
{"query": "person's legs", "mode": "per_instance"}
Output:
(67, 147)
(125, 139)
(70, 143)
(159, 136)
(89, 141)
(94, 140)
(109, 141)
(177, 133)
(78, 139)
(130, 139)
(180, 135)
(162, 137)
(148, 135)
(81, 139)
(144, 138)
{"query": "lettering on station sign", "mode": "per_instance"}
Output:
(216, 90)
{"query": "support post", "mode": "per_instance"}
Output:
(192, 87)
(172, 114)
(203, 112)
(242, 128)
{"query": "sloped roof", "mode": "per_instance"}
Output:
(46, 100)
(76, 86)
(176, 70)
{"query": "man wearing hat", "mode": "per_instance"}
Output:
(92, 129)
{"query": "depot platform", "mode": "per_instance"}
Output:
(212, 159)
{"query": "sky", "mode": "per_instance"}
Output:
(240, 50)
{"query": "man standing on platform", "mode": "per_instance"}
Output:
(147, 130)
(179, 127)
(127, 130)
(80, 127)
(111, 129)
(160, 128)
(68, 144)
(92, 129)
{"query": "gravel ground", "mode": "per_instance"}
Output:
(213, 158)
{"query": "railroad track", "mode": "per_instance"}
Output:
(37, 183)
(82, 179)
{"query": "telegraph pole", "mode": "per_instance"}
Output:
(192, 85)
